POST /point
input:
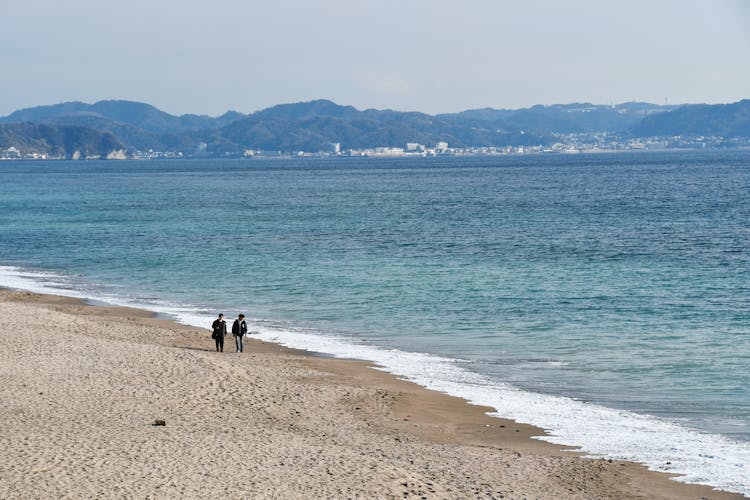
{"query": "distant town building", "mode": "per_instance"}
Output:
(334, 148)
(386, 151)
(441, 147)
(12, 153)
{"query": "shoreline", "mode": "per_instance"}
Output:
(400, 439)
(473, 152)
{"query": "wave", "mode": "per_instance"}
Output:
(660, 444)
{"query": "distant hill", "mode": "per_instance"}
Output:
(58, 141)
(42, 113)
(320, 108)
(138, 126)
(143, 116)
(314, 125)
(132, 135)
(311, 126)
(573, 118)
(726, 120)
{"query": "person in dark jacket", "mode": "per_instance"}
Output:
(220, 330)
(239, 329)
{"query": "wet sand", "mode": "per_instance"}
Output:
(82, 386)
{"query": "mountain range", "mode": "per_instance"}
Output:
(105, 127)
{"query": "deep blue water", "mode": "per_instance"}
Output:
(620, 280)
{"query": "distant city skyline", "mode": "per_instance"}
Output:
(433, 56)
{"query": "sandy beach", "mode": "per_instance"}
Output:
(82, 387)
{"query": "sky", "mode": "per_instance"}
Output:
(434, 56)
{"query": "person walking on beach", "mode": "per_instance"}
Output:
(220, 330)
(239, 329)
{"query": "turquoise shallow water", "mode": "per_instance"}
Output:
(619, 280)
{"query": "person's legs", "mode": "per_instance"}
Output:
(238, 343)
(217, 343)
(221, 343)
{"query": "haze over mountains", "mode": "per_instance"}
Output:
(105, 127)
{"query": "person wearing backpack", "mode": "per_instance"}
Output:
(239, 329)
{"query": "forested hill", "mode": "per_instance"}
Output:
(106, 126)
(726, 120)
(53, 141)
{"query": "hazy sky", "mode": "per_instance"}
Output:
(186, 56)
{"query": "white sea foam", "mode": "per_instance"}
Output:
(599, 431)
(660, 444)
(38, 282)
(61, 284)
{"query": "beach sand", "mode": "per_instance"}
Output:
(81, 387)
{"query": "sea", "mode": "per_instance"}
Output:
(602, 297)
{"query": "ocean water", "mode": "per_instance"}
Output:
(605, 298)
